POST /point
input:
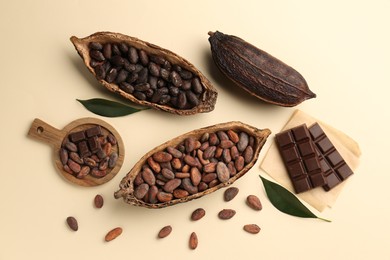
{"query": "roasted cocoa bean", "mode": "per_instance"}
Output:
(148, 176)
(171, 185)
(222, 172)
(152, 194)
(195, 176)
(230, 193)
(164, 196)
(209, 177)
(141, 190)
(257, 72)
(84, 171)
(226, 214)
(72, 223)
(168, 174)
(193, 242)
(188, 186)
(98, 201)
(112, 234)
(239, 163)
(180, 193)
(75, 167)
(162, 157)
(254, 202)
(154, 165)
(252, 228)
(64, 156)
(198, 214)
(164, 232)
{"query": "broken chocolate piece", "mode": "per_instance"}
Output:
(77, 136)
(334, 167)
(300, 158)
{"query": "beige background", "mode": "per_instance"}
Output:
(341, 48)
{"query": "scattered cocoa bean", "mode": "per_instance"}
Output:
(112, 234)
(72, 223)
(98, 201)
(165, 231)
(226, 214)
(230, 193)
(193, 242)
(252, 228)
(254, 202)
(198, 214)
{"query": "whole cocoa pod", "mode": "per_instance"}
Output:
(257, 72)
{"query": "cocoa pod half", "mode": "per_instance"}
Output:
(130, 184)
(257, 72)
(146, 74)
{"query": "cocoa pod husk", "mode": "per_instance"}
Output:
(257, 72)
(127, 185)
(207, 98)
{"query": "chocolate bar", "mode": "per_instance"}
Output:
(300, 158)
(334, 167)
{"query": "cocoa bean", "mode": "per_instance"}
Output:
(198, 214)
(243, 141)
(252, 228)
(148, 176)
(168, 174)
(188, 186)
(171, 185)
(152, 194)
(254, 202)
(72, 223)
(193, 242)
(112, 234)
(154, 165)
(226, 214)
(222, 172)
(75, 167)
(141, 190)
(180, 193)
(164, 196)
(195, 176)
(230, 193)
(162, 157)
(64, 156)
(84, 171)
(165, 231)
(98, 201)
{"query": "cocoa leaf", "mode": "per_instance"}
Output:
(286, 202)
(108, 108)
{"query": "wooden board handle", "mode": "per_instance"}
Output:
(44, 132)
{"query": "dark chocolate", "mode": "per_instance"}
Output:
(300, 158)
(334, 167)
(83, 149)
(93, 131)
(77, 136)
(94, 144)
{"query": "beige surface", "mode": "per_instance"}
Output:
(341, 48)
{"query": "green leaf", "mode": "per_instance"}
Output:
(108, 108)
(285, 201)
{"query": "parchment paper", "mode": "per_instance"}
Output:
(318, 198)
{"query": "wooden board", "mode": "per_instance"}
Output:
(46, 133)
